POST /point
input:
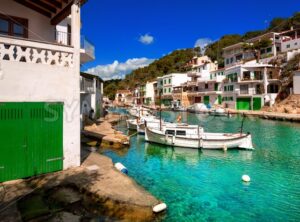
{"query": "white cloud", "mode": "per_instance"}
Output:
(146, 39)
(202, 43)
(118, 70)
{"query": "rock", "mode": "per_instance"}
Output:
(66, 196)
(65, 216)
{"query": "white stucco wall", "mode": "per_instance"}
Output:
(296, 82)
(39, 25)
(26, 82)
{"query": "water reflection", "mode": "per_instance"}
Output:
(193, 156)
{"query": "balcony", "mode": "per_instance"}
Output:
(87, 85)
(31, 51)
(194, 74)
(191, 83)
(87, 52)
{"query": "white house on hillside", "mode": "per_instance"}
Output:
(39, 87)
(167, 82)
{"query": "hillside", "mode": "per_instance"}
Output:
(174, 62)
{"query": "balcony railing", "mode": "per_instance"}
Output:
(87, 85)
(64, 38)
(88, 47)
(32, 51)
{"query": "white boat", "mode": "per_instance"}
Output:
(198, 108)
(139, 123)
(218, 112)
(193, 136)
(139, 112)
(179, 109)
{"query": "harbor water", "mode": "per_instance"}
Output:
(206, 185)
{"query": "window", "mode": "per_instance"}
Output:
(180, 133)
(206, 86)
(288, 46)
(13, 26)
(165, 81)
(165, 90)
(169, 81)
(216, 86)
(169, 90)
(269, 50)
(170, 132)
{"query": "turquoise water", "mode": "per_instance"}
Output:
(206, 185)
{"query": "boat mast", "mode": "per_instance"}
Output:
(242, 125)
(160, 110)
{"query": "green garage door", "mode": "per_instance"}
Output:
(31, 139)
(256, 103)
(243, 103)
(206, 100)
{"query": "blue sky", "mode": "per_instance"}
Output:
(129, 34)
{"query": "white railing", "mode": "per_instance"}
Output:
(87, 85)
(30, 51)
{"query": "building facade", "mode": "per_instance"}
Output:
(249, 87)
(166, 83)
(91, 96)
(39, 85)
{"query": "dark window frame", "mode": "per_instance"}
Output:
(18, 21)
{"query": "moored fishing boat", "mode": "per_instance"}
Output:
(193, 136)
(218, 112)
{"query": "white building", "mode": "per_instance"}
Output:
(236, 54)
(166, 83)
(296, 82)
(150, 93)
(203, 80)
(249, 87)
(123, 97)
(91, 96)
(39, 88)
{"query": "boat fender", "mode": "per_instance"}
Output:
(246, 178)
(159, 208)
(121, 168)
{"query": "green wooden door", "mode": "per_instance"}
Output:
(243, 103)
(206, 100)
(256, 103)
(31, 139)
(219, 99)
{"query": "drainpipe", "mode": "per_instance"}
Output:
(266, 83)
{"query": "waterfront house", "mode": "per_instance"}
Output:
(250, 86)
(290, 42)
(237, 54)
(166, 83)
(200, 75)
(149, 98)
(123, 97)
(210, 90)
(39, 87)
(91, 96)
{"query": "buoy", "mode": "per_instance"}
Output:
(121, 168)
(159, 208)
(246, 178)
